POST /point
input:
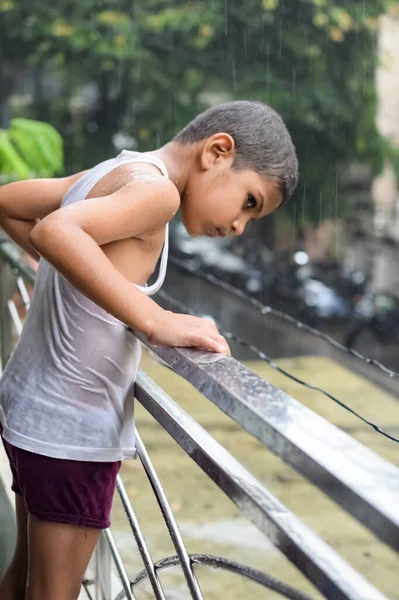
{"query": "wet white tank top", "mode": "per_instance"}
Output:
(66, 390)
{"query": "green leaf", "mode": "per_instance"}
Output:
(11, 163)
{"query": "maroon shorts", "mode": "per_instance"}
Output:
(64, 491)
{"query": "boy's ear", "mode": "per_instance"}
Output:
(217, 147)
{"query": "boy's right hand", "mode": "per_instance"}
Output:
(171, 329)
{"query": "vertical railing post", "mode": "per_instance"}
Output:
(5, 320)
(102, 566)
(7, 519)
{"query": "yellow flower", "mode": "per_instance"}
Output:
(320, 19)
(206, 31)
(270, 4)
(62, 29)
(6, 5)
(344, 20)
(111, 17)
(336, 34)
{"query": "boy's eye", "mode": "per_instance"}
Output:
(251, 201)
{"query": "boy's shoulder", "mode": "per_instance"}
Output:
(136, 171)
(142, 177)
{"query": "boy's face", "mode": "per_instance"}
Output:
(219, 201)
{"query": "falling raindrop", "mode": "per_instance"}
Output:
(234, 75)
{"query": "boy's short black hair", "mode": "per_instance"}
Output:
(262, 141)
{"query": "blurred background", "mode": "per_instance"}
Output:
(80, 80)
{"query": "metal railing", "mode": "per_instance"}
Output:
(361, 482)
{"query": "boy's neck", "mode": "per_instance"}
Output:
(180, 160)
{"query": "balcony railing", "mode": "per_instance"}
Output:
(362, 483)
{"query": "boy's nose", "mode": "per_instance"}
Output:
(238, 227)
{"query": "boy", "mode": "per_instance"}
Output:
(66, 424)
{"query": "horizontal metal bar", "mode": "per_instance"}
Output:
(363, 483)
(207, 297)
(356, 478)
(314, 558)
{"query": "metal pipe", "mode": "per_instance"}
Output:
(311, 555)
(359, 480)
(119, 565)
(141, 543)
(170, 521)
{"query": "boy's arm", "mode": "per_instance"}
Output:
(23, 203)
(71, 238)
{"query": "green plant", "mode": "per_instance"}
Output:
(155, 63)
(29, 149)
